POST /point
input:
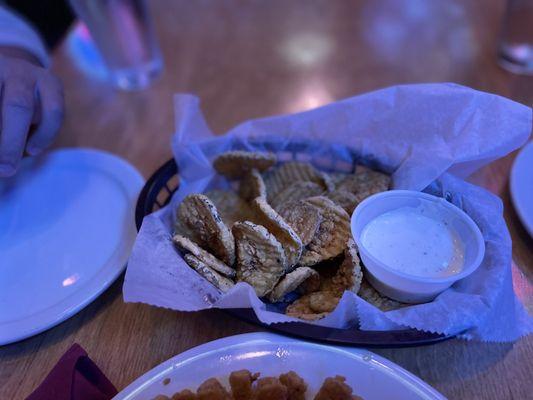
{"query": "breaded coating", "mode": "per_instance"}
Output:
(220, 282)
(199, 215)
(345, 199)
(294, 384)
(313, 306)
(310, 285)
(349, 275)
(372, 296)
(260, 257)
(289, 386)
(184, 395)
(291, 281)
(271, 220)
(323, 301)
(211, 389)
(336, 389)
(291, 172)
(365, 182)
(270, 389)
(328, 181)
(299, 190)
(252, 186)
(303, 218)
(332, 234)
(241, 384)
(230, 205)
(337, 177)
(235, 164)
(188, 246)
(316, 305)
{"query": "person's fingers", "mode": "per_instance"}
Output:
(50, 92)
(17, 111)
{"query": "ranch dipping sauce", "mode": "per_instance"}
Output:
(416, 241)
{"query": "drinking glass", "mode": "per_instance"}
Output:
(516, 44)
(123, 32)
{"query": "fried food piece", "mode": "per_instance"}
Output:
(365, 182)
(310, 285)
(289, 386)
(327, 181)
(276, 225)
(260, 257)
(303, 218)
(323, 301)
(222, 283)
(199, 215)
(349, 275)
(230, 205)
(181, 229)
(372, 296)
(211, 389)
(345, 199)
(301, 310)
(290, 282)
(295, 385)
(188, 246)
(184, 395)
(296, 191)
(241, 384)
(336, 389)
(270, 389)
(235, 164)
(319, 303)
(252, 186)
(291, 172)
(332, 234)
(313, 306)
(161, 397)
(337, 177)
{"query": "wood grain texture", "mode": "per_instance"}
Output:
(247, 59)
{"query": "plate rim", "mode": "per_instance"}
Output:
(132, 181)
(513, 184)
(159, 371)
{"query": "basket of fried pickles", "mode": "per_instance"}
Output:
(283, 228)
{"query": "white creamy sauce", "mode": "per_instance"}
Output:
(416, 241)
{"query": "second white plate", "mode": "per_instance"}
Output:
(371, 376)
(66, 231)
(521, 186)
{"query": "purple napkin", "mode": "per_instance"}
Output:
(74, 377)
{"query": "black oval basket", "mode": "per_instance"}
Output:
(157, 192)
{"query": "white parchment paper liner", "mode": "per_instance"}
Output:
(429, 134)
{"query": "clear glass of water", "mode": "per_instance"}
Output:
(123, 32)
(516, 44)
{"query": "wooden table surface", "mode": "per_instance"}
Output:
(247, 59)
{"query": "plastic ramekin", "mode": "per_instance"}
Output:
(399, 285)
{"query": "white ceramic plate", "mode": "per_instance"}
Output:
(66, 231)
(371, 376)
(521, 186)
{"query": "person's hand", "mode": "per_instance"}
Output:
(31, 95)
